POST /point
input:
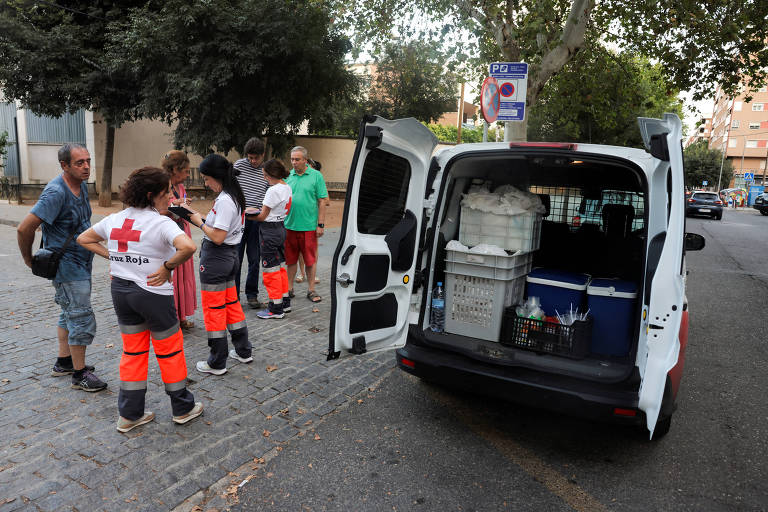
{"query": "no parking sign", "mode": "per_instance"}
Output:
(513, 86)
(489, 99)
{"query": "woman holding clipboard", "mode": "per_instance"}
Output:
(223, 229)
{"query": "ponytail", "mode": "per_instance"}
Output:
(218, 167)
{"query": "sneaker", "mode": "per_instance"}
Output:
(233, 355)
(196, 411)
(124, 425)
(88, 382)
(286, 304)
(266, 313)
(202, 366)
(60, 371)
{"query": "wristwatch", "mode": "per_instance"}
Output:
(321, 225)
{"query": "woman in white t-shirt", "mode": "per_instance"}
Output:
(275, 207)
(143, 247)
(219, 263)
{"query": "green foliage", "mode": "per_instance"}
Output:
(450, 133)
(598, 96)
(54, 61)
(702, 163)
(408, 80)
(227, 70)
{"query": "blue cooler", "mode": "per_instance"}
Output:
(612, 304)
(557, 289)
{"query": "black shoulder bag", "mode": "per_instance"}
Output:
(45, 262)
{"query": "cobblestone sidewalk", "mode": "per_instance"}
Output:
(60, 449)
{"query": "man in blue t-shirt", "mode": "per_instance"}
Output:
(63, 210)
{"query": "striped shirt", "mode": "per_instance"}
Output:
(252, 182)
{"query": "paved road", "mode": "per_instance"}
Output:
(60, 449)
(407, 445)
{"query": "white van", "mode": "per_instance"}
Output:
(404, 206)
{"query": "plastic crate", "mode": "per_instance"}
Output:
(488, 265)
(547, 337)
(521, 232)
(474, 306)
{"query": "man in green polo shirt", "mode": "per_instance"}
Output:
(306, 219)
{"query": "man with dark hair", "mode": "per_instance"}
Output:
(254, 185)
(64, 212)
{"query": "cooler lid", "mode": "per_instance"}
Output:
(613, 288)
(559, 278)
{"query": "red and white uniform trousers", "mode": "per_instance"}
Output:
(273, 271)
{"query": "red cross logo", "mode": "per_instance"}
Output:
(124, 235)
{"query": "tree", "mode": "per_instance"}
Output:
(703, 164)
(696, 43)
(406, 80)
(53, 62)
(598, 96)
(3, 147)
(227, 70)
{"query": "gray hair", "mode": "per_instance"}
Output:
(302, 150)
(65, 151)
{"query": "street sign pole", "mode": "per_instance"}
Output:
(485, 131)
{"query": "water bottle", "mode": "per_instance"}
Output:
(437, 314)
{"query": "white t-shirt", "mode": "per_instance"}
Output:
(278, 198)
(139, 240)
(224, 215)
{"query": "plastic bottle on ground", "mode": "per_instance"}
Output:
(437, 313)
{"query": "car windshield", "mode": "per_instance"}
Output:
(707, 196)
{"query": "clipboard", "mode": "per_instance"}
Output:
(181, 212)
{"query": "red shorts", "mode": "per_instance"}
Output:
(304, 242)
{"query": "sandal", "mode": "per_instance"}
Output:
(299, 279)
(313, 296)
(186, 324)
(291, 294)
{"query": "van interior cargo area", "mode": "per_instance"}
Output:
(595, 223)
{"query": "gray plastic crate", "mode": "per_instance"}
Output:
(520, 232)
(474, 306)
(487, 265)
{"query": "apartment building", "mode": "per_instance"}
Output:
(740, 128)
(703, 132)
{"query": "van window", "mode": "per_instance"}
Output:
(383, 192)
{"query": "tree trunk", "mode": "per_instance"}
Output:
(105, 187)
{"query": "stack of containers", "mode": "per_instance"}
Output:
(479, 286)
(613, 304)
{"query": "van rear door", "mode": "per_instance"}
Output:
(659, 346)
(374, 263)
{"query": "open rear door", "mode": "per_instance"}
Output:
(666, 293)
(374, 263)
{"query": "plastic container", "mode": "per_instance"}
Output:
(488, 265)
(437, 311)
(476, 292)
(558, 290)
(545, 337)
(520, 232)
(613, 303)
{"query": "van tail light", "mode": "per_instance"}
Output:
(576, 221)
(619, 411)
(407, 362)
(552, 145)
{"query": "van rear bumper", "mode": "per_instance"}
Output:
(525, 386)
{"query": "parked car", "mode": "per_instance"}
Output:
(705, 203)
(761, 203)
(404, 205)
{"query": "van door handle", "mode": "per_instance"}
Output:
(347, 254)
(344, 280)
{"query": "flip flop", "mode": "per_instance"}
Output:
(299, 279)
(313, 296)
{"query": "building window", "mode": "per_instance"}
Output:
(757, 143)
(731, 143)
(735, 123)
(754, 126)
(763, 89)
(757, 107)
(737, 106)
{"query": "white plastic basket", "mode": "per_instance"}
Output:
(519, 232)
(477, 293)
